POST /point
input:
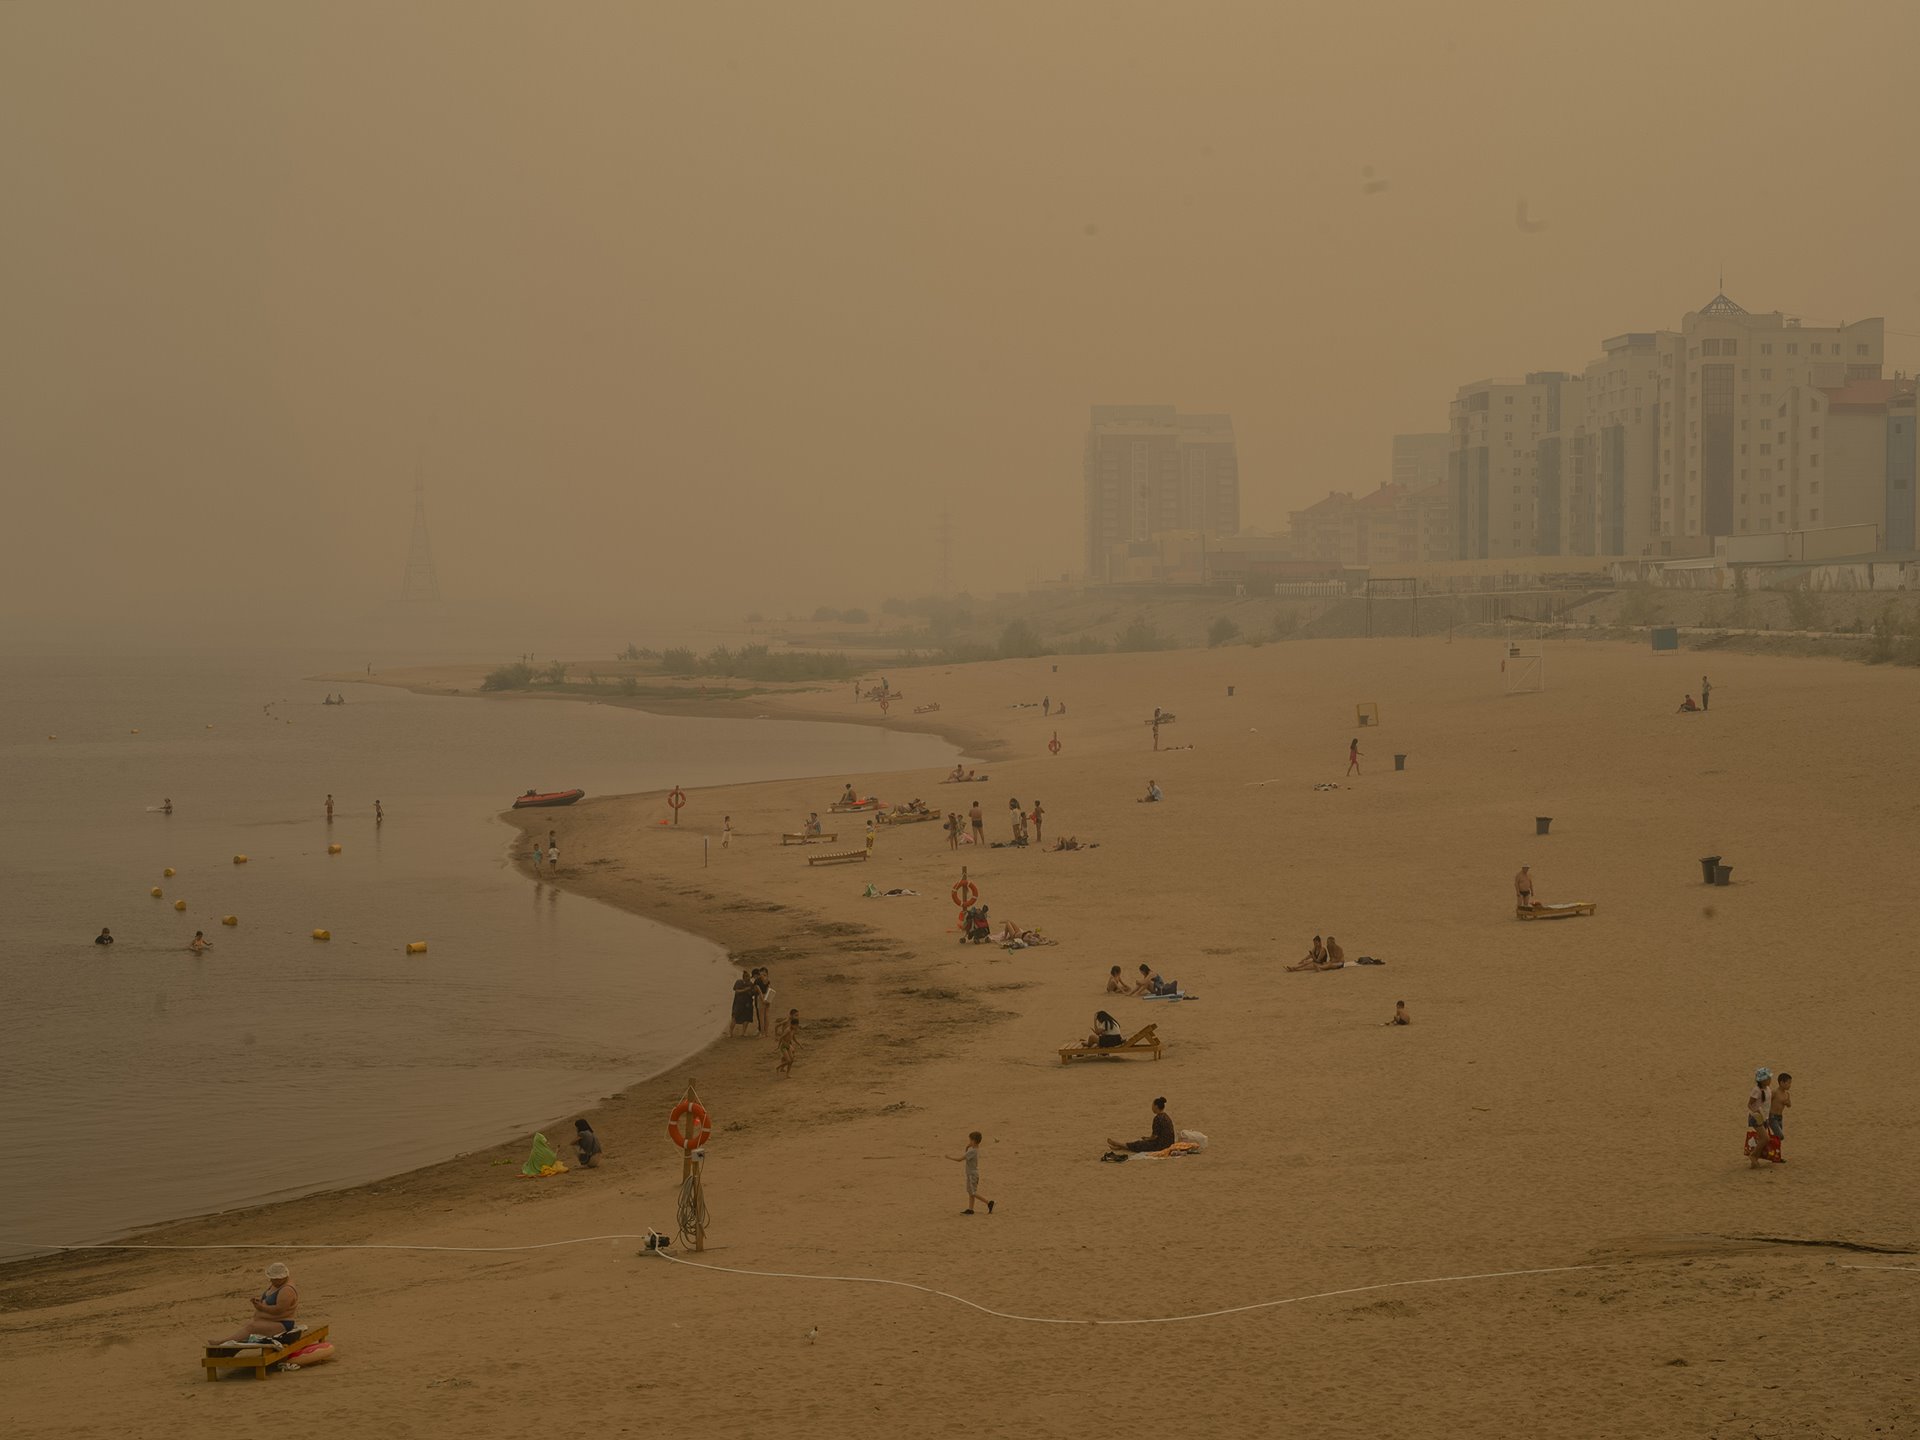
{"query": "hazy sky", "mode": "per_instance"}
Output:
(695, 305)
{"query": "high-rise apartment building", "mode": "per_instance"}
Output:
(1843, 455)
(1497, 427)
(1150, 469)
(1623, 445)
(1723, 379)
(1420, 460)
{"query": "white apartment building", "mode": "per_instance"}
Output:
(1623, 444)
(1496, 428)
(1724, 377)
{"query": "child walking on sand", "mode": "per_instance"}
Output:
(1353, 757)
(787, 1032)
(970, 1157)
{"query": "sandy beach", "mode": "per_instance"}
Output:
(1526, 1213)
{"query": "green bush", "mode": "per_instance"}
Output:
(679, 661)
(1805, 610)
(517, 676)
(1020, 641)
(1221, 631)
(1141, 634)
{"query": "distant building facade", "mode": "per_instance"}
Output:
(1150, 470)
(1420, 460)
(1496, 430)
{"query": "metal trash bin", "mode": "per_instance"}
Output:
(1399, 762)
(1723, 874)
(1708, 864)
(1540, 824)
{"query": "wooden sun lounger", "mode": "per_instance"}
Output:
(802, 838)
(840, 807)
(837, 857)
(258, 1358)
(1555, 912)
(926, 709)
(1143, 1042)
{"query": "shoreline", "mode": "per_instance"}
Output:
(721, 926)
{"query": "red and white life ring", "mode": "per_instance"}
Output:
(965, 892)
(699, 1125)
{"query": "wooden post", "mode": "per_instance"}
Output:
(690, 1170)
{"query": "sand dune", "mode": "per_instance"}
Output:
(1568, 1100)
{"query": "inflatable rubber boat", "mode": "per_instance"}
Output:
(535, 798)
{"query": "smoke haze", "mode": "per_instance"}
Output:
(689, 309)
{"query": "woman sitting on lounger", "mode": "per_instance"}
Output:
(1106, 1033)
(1160, 1139)
(273, 1310)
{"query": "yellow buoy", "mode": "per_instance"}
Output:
(168, 872)
(333, 849)
(179, 904)
(416, 947)
(155, 892)
(239, 859)
(229, 919)
(323, 934)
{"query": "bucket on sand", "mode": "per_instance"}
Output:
(1399, 762)
(1540, 824)
(1723, 874)
(1708, 864)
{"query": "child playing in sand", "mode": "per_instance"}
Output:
(1400, 1015)
(1116, 984)
(1777, 1122)
(586, 1145)
(970, 1157)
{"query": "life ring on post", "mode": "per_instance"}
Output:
(699, 1125)
(965, 893)
(1054, 744)
(676, 797)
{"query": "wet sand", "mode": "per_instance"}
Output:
(1568, 1099)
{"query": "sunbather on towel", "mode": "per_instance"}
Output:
(1160, 1139)
(273, 1309)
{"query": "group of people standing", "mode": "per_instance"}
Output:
(1026, 825)
(752, 1014)
(1767, 1104)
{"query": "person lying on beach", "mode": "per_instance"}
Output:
(1160, 1139)
(1106, 1033)
(1117, 983)
(1400, 1015)
(1015, 939)
(199, 942)
(273, 1310)
(1073, 842)
(586, 1145)
(105, 937)
(1153, 796)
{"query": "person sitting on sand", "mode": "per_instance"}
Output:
(1151, 983)
(812, 827)
(1117, 983)
(1400, 1015)
(105, 937)
(1687, 704)
(1336, 957)
(273, 1310)
(586, 1145)
(1106, 1033)
(199, 942)
(1153, 796)
(958, 776)
(1160, 1139)
(1314, 959)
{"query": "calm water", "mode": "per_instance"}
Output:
(125, 1069)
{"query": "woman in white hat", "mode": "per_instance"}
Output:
(273, 1309)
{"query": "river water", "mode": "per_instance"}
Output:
(142, 1083)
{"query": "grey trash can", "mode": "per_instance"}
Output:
(1723, 874)
(1540, 824)
(1399, 762)
(1229, 692)
(1708, 864)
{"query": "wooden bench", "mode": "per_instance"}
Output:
(838, 857)
(1143, 1042)
(802, 838)
(259, 1358)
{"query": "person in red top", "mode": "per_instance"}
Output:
(1353, 757)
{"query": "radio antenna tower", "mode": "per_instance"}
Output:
(422, 585)
(946, 554)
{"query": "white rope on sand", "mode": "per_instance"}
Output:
(275, 1245)
(1141, 1320)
